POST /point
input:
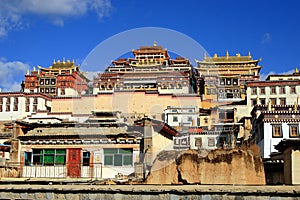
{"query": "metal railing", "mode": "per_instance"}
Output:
(69, 170)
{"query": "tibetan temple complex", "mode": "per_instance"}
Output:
(150, 70)
(225, 77)
(61, 79)
(139, 106)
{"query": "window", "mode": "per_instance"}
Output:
(254, 91)
(273, 90)
(35, 100)
(262, 90)
(253, 102)
(282, 90)
(235, 81)
(198, 142)
(85, 158)
(15, 107)
(292, 90)
(175, 119)
(27, 158)
(222, 81)
(34, 109)
(27, 108)
(49, 157)
(211, 142)
(277, 131)
(228, 81)
(118, 157)
(282, 101)
(206, 120)
(273, 101)
(7, 107)
(294, 130)
(8, 101)
(52, 81)
(262, 101)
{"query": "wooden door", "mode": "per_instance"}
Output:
(74, 162)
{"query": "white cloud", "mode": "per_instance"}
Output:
(264, 76)
(91, 75)
(10, 72)
(266, 38)
(14, 12)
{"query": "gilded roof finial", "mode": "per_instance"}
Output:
(204, 55)
(295, 106)
(269, 105)
(249, 54)
(154, 43)
(64, 60)
(296, 70)
(34, 69)
(227, 54)
(54, 62)
(73, 61)
(215, 55)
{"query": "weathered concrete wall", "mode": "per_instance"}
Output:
(126, 192)
(220, 166)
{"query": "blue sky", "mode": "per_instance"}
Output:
(34, 32)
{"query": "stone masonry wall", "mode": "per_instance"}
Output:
(137, 192)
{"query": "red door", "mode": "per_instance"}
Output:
(74, 162)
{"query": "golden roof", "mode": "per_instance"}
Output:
(60, 65)
(227, 59)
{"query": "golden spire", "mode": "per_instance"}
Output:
(296, 70)
(215, 55)
(204, 56)
(227, 54)
(249, 54)
(154, 43)
(54, 62)
(295, 106)
(269, 105)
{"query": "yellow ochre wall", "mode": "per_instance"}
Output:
(126, 102)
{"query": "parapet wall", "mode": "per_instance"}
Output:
(153, 192)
